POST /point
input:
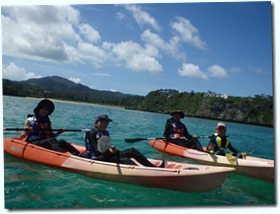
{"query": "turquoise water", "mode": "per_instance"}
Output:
(32, 186)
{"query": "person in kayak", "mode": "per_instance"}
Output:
(98, 146)
(219, 143)
(38, 129)
(176, 132)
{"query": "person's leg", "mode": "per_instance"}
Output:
(134, 153)
(195, 144)
(68, 147)
(178, 142)
(46, 143)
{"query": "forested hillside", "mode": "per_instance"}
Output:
(253, 110)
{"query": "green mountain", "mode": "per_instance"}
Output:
(56, 83)
(60, 88)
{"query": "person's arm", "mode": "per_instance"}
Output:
(211, 145)
(231, 148)
(187, 134)
(167, 130)
(236, 152)
(58, 132)
(92, 144)
(28, 129)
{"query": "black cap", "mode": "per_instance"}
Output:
(102, 117)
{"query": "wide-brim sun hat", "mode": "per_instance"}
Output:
(102, 117)
(181, 113)
(45, 103)
(220, 124)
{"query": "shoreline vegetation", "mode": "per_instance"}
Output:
(257, 110)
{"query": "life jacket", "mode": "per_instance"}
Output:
(41, 128)
(89, 150)
(220, 142)
(178, 129)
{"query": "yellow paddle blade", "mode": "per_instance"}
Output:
(231, 158)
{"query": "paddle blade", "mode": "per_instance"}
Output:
(251, 152)
(133, 140)
(231, 158)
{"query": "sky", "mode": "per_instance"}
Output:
(223, 47)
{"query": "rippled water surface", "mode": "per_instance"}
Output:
(29, 185)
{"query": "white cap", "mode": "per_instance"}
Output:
(221, 125)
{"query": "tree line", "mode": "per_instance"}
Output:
(256, 110)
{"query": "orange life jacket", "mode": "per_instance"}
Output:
(41, 128)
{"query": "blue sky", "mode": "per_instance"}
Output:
(223, 47)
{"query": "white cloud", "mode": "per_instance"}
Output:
(102, 74)
(120, 15)
(217, 71)
(93, 54)
(75, 80)
(188, 33)
(31, 32)
(153, 39)
(192, 71)
(235, 70)
(258, 70)
(90, 33)
(12, 72)
(171, 47)
(139, 62)
(136, 57)
(142, 17)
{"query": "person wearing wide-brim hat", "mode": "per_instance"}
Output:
(45, 103)
(178, 112)
(38, 129)
(176, 132)
(98, 146)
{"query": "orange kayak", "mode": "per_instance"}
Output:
(251, 166)
(175, 176)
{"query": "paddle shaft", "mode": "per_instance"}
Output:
(66, 130)
(132, 140)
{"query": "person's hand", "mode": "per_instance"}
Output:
(210, 147)
(26, 131)
(166, 139)
(243, 155)
(59, 132)
(113, 149)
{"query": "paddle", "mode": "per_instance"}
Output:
(133, 140)
(232, 159)
(66, 130)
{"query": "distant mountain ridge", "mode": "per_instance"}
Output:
(61, 88)
(55, 82)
